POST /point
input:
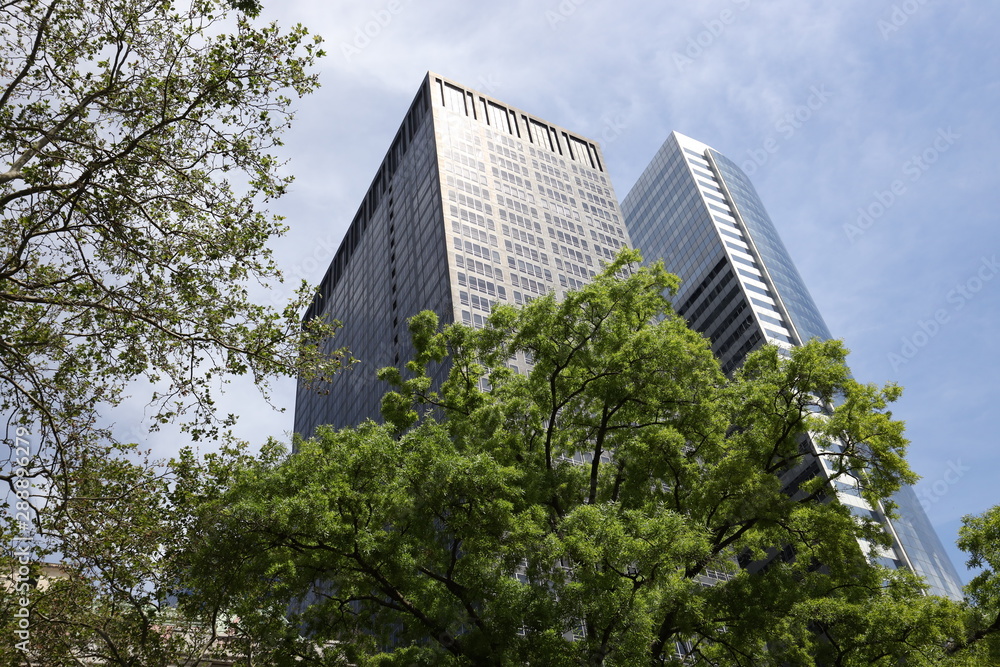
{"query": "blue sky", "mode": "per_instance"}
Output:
(869, 128)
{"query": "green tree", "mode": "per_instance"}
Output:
(136, 143)
(979, 536)
(108, 601)
(607, 495)
(137, 161)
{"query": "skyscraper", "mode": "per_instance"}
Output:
(697, 210)
(475, 203)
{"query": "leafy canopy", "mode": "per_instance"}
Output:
(136, 147)
(605, 496)
(979, 536)
(137, 159)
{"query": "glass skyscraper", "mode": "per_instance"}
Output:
(475, 203)
(696, 209)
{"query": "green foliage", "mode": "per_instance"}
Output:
(136, 145)
(108, 602)
(597, 496)
(136, 164)
(979, 536)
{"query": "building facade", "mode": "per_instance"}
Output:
(475, 203)
(698, 211)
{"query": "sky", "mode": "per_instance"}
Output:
(868, 127)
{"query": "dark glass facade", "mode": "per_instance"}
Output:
(390, 265)
(476, 203)
(697, 211)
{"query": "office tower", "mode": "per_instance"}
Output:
(475, 203)
(697, 210)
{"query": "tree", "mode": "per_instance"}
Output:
(137, 143)
(109, 602)
(135, 158)
(979, 536)
(606, 495)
